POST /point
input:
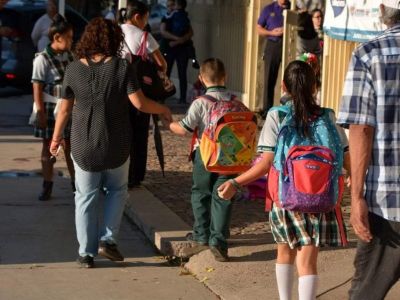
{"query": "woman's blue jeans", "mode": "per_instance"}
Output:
(88, 186)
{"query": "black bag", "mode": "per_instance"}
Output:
(154, 83)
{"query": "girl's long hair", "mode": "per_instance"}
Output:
(133, 7)
(299, 79)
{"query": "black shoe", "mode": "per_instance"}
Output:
(195, 246)
(219, 253)
(46, 191)
(190, 238)
(85, 261)
(110, 251)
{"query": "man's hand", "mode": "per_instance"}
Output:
(277, 31)
(41, 119)
(359, 219)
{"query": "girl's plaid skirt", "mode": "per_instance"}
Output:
(300, 229)
(47, 133)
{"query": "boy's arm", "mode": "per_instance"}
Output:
(176, 128)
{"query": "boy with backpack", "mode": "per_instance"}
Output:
(206, 119)
(303, 152)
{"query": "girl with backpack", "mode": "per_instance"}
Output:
(298, 234)
(47, 76)
(134, 19)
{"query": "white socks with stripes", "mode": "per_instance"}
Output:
(308, 287)
(284, 279)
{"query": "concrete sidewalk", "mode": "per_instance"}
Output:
(250, 274)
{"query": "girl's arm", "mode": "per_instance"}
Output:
(61, 122)
(38, 100)
(228, 190)
(159, 60)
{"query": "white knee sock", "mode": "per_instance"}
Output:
(284, 279)
(308, 287)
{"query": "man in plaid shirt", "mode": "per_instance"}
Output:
(371, 108)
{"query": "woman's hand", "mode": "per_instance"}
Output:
(166, 117)
(227, 190)
(41, 119)
(56, 145)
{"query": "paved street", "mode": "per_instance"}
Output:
(38, 247)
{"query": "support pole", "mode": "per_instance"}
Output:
(122, 3)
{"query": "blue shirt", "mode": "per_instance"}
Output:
(272, 17)
(179, 23)
(371, 96)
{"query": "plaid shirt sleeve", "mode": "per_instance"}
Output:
(359, 100)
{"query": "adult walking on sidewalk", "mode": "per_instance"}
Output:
(47, 76)
(98, 89)
(270, 26)
(371, 109)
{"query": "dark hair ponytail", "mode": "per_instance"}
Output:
(133, 7)
(59, 25)
(300, 82)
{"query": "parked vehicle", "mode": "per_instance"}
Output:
(17, 53)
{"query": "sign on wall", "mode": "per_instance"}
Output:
(352, 20)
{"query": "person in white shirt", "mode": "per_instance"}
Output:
(40, 32)
(134, 19)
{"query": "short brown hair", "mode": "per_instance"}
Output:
(213, 70)
(101, 36)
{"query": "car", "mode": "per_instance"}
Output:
(157, 12)
(17, 53)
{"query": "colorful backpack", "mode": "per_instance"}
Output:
(306, 172)
(228, 142)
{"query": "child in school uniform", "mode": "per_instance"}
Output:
(211, 213)
(299, 235)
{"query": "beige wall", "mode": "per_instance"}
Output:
(226, 29)
(336, 60)
(219, 31)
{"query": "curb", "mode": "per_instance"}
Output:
(158, 223)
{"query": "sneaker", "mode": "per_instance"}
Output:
(110, 251)
(85, 261)
(219, 253)
(189, 237)
(194, 249)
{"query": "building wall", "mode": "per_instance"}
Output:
(219, 31)
(226, 29)
(337, 55)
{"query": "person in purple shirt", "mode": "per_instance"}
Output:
(270, 26)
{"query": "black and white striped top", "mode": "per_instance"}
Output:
(101, 133)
